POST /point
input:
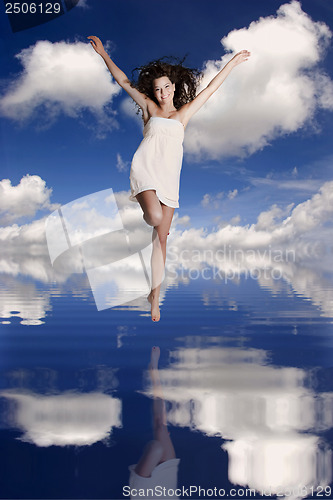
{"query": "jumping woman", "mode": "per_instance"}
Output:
(166, 95)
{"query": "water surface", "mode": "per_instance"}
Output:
(247, 380)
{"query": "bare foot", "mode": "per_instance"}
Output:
(154, 357)
(153, 299)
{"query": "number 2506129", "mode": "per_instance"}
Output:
(32, 8)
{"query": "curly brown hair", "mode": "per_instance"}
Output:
(185, 79)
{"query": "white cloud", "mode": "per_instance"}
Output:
(266, 414)
(184, 221)
(20, 239)
(61, 78)
(267, 220)
(232, 194)
(306, 185)
(66, 419)
(275, 226)
(205, 202)
(29, 240)
(212, 200)
(122, 166)
(325, 91)
(129, 108)
(293, 243)
(23, 299)
(276, 92)
(270, 229)
(23, 200)
(235, 220)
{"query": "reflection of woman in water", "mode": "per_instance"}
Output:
(158, 465)
(165, 93)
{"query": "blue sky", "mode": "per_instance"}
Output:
(264, 142)
(257, 173)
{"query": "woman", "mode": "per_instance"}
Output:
(158, 465)
(156, 164)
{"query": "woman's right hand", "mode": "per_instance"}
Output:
(96, 44)
(240, 57)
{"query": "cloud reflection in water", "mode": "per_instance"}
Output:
(64, 419)
(268, 416)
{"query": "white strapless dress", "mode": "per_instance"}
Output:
(157, 162)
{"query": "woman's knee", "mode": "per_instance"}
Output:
(153, 217)
(155, 449)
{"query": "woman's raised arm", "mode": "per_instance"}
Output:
(192, 107)
(119, 75)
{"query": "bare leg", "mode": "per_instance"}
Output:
(151, 207)
(154, 211)
(158, 259)
(161, 448)
(161, 433)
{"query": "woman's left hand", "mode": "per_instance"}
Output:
(240, 57)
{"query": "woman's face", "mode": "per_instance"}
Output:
(163, 89)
